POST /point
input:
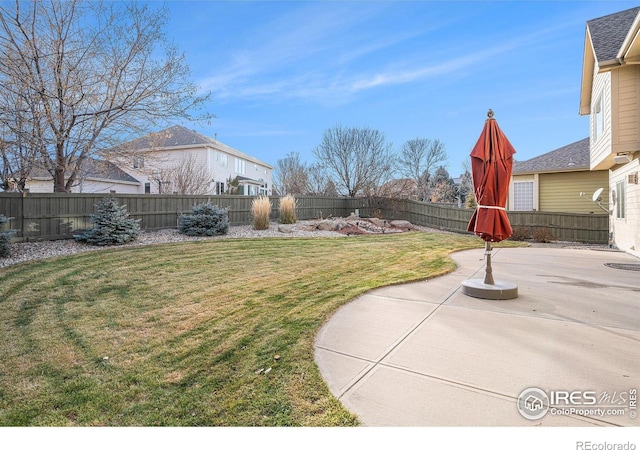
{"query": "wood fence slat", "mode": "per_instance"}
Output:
(59, 216)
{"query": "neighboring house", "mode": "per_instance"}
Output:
(97, 176)
(181, 160)
(399, 188)
(557, 181)
(610, 95)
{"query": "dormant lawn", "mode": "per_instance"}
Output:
(207, 333)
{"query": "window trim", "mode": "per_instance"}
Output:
(517, 185)
(621, 199)
(598, 118)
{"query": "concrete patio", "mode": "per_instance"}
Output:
(425, 354)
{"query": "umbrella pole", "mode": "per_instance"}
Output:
(488, 276)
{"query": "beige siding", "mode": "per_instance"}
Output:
(560, 192)
(601, 146)
(626, 232)
(625, 99)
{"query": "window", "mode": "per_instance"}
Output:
(223, 159)
(138, 162)
(147, 188)
(523, 196)
(164, 187)
(598, 120)
(240, 166)
(621, 191)
(219, 188)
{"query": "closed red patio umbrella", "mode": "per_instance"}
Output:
(491, 166)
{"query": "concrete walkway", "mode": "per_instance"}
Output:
(425, 354)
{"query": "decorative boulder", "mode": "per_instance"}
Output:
(402, 224)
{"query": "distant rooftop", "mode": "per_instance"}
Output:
(571, 157)
(178, 136)
(92, 168)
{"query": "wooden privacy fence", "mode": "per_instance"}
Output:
(60, 216)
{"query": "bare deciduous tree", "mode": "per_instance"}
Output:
(190, 177)
(86, 75)
(291, 175)
(320, 182)
(418, 158)
(359, 160)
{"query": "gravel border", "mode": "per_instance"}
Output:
(29, 251)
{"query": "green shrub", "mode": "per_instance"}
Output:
(205, 220)
(5, 238)
(111, 225)
(288, 207)
(261, 210)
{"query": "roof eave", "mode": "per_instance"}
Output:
(588, 64)
(562, 170)
(630, 46)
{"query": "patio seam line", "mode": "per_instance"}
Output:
(398, 341)
(411, 331)
(403, 299)
(559, 319)
(457, 384)
(480, 390)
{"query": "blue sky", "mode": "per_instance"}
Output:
(282, 72)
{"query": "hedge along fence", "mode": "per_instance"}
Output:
(59, 216)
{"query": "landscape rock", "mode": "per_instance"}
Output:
(326, 225)
(402, 224)
(286, 228)
(381, 223)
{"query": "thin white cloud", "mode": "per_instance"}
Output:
(284, 42)
(282, 66)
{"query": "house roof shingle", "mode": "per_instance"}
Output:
(571, 157)
(93, 168)
(178, 136)
(609, 32)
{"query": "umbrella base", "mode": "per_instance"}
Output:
(497, 291)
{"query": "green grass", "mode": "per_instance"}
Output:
(186, 327)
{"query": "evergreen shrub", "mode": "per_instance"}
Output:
(111, 225)
(5, 238)
(205, 220)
